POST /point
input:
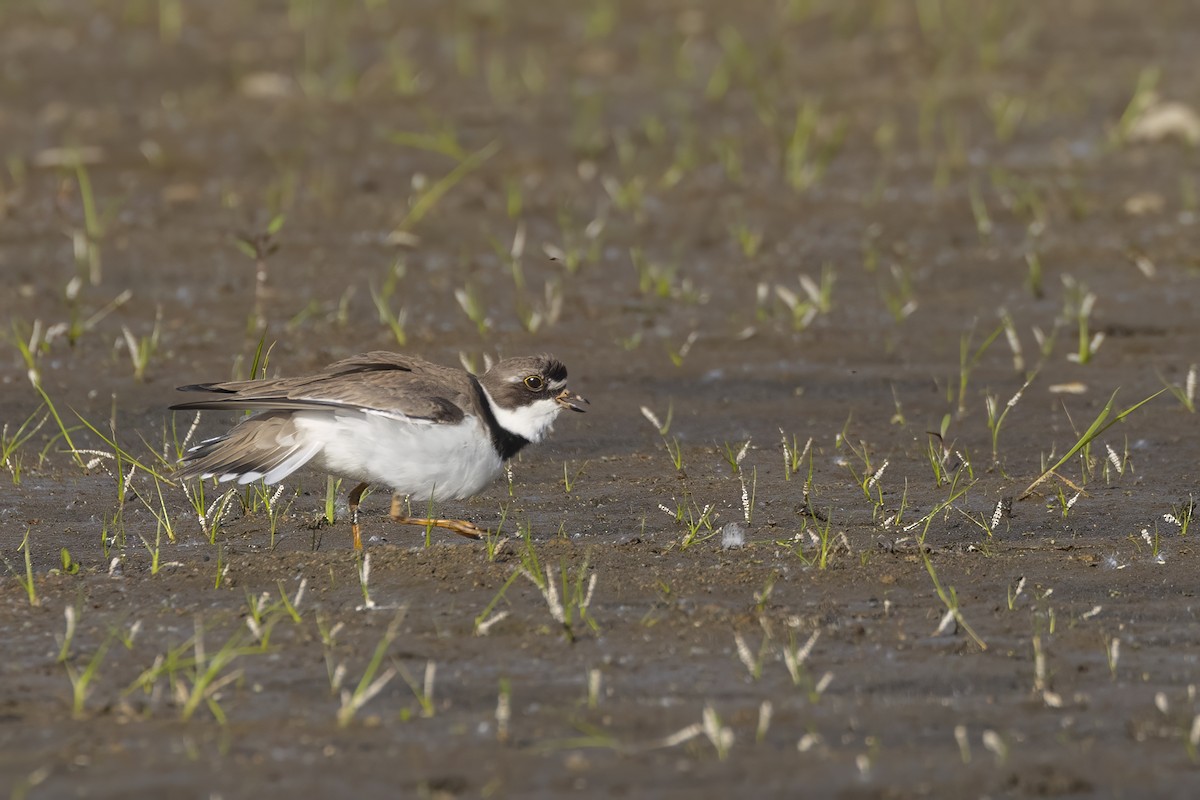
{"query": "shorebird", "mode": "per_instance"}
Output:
(426, 431)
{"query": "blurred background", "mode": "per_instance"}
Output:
(640, 183)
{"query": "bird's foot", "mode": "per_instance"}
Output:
(460, 526)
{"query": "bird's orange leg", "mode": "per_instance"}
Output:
(354, 498)
(460, 526)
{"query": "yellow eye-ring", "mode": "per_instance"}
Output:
(534, 383)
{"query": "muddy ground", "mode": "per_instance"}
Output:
(850, 223)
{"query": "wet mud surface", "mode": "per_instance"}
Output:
(855, 227)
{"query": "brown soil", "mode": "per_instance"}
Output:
(918, 160)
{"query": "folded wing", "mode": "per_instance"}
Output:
(269, 445)
(384, 383)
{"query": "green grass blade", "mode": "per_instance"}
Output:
(1098, 426)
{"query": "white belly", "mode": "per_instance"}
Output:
(423, 460)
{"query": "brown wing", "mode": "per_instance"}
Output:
(387, 383)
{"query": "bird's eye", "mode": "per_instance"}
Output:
(534, 383)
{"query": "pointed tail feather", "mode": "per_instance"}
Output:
(267, 446)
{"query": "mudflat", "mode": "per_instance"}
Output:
(866, 298)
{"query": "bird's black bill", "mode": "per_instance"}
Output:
(568, 400)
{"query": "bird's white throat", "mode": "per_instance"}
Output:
(533, 421)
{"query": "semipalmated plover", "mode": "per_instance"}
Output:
(426, 431)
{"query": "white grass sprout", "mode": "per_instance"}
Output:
(503, 711)
(753, 666)
(682, 735)
(803, 312)
(216, 512)
(71, 616)
(427, 697)
(22, 435)
(338, 677)
(352, 702)
(795, 657)
(369, 685)
(549, 590)
(1016, 398)
(874, 481)
(805, 451)
(99, 458)
(721, 736)
(518, 244)
(1014, 343)
(815, 294)
(468, 362)
(187, 438)
(1145, 266)
(587, 598)
(482, 628)
(1041, 678)
(33, 347)
(964, 743)
(995, 745)
(364, 579)
(1114, 459)
(595, 681)
(765, 710)
(748, 493)
(1087, 304)
(686, 347)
